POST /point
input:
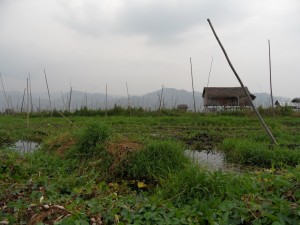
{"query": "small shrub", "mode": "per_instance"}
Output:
(154, 161)
(91, 146)
(91, 136)
(5, 138)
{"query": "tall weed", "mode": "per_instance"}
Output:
(249, 152)
(155, 161)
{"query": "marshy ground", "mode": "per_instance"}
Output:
(122, 169)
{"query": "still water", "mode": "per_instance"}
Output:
(25, 146)
(210, 159)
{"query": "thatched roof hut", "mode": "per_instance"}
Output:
(182, 107)
(226, 96)
(296, 100)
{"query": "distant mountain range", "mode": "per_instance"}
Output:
(166, 98)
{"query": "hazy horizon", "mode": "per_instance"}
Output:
(90, 44)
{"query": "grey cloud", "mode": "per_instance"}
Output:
(157, 21)
(88, 18)
(160, 19)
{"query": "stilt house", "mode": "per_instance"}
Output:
(226, 97)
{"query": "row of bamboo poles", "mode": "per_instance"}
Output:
(160, 104)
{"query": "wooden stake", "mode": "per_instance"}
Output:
(242, 85)
(193, 84)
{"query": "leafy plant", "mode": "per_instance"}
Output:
(92, 135)
(155, 160)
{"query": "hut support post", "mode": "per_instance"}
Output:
(242, 85)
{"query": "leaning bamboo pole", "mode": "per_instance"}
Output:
(242, 85)
(193, 84)
(211, 63)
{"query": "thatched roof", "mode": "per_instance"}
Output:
(225, 92)
(182, 107)
(234, 96)
(296, 100)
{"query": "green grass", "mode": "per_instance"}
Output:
(154, 161)
(249, 152)
(73, 168)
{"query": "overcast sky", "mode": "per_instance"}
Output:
(147, 43)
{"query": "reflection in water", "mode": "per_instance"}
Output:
(213, 160)
(25, 146)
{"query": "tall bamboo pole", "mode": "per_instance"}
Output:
(242, 85)
(106, 97)
(129, 106)
(30, 94)
(11, 104)
(270, 68)
(27, 105)
(39, 103)
(4, 91)
(23, 100)
(193, 84)
(48, 90)
(70, 97)
(85, 98)
(160, 96)
(64, 104)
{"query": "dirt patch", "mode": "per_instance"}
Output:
(203, 141)
(62, 143)
(120, 150)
